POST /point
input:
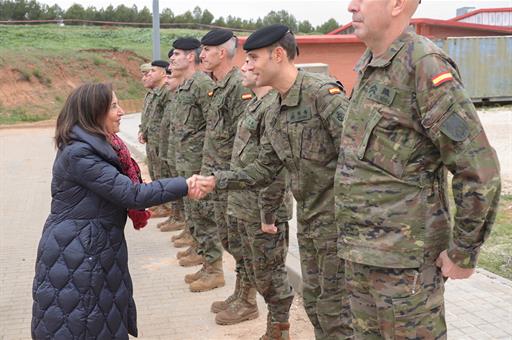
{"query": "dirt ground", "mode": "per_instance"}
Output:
(41, 88)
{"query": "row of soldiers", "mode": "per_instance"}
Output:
(368, 175)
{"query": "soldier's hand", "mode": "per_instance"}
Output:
(206, 183)
(269, 228)
(141, 138)
(194, 192)
(450, 269)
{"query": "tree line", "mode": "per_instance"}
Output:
(33, 10)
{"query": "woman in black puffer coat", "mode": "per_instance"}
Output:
(82, 287)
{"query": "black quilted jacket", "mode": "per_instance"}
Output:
(82, 287)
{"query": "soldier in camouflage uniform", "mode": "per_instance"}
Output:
(227, 101)
(189, 126)
(176, 220)
(151, 118)
(303, 129)
(262, 217)
(409, 122)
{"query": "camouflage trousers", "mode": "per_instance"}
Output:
(229, 236)
(325, 296)
(390, 303)
(153, 161)
(264, 257)
(168, 170)
(205, 230)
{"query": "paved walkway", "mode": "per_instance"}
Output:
(478, 308)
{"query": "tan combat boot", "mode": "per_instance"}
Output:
(219, 306)
(184, 253)
(212, 278)
(183, 233)
(189, 278)
(277, 331)
(160, 211)
(186, 241)
(192, 260)
(242, 309)
(172, 224)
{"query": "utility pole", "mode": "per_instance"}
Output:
(156, 30)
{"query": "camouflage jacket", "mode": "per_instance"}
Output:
(275, 202)
(151, 118)
(228, 100)
(190, 121)
(167, 144)
(302, 134)
(408, 122)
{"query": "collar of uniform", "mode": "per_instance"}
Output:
(224, 82)
(293, 96)
(254, 103)
(159, 90)
(392, 51)
(363, 61)
(187, 83)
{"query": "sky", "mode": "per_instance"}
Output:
(316, 11)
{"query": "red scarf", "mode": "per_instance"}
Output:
(131, 169)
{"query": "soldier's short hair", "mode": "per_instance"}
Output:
(230, 47)
(197, 53)
(288, 43)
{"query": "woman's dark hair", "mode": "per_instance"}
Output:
(87, 107)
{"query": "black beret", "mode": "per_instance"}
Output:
(216, 37)
(160, 63)
(171, 51)
(186, 43)
(265, 36)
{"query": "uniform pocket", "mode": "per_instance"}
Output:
(316, 144)
(386, 143)
(420, 314)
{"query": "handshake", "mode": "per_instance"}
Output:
(200, 186)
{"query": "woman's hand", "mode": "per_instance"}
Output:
(194, 192)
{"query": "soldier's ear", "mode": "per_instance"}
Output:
(279, 54)
(399, 6)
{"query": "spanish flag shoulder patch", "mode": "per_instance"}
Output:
(246, 96)
(442, 78)
(334, 90)
(210, 94)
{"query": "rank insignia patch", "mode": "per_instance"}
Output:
(246, 96)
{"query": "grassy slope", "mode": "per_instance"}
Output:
(55, 39)
(37, 53)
